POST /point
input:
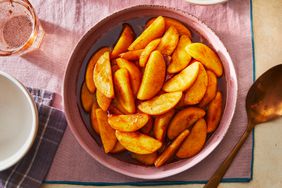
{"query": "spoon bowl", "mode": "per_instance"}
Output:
(264, 99)
(263, 104)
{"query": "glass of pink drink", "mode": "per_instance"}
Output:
(20, 30)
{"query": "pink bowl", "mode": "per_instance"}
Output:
(98, 36)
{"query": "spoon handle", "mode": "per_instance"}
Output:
(219, 173)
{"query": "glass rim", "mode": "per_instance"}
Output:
(35, 28)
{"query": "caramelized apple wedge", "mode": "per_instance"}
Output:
(211, 89)
(181, 103)
(169, 41)
(147, 51)
(116, 104)
(123, 90)
(103, 101)
(182, 30)
(86, 98)
(184, 79)
(147, 159)
(153, 77)
(113, 110)
(155, 30)
(115, 67)
(107, 133)
(134, 73)
(171, 149)
(131, 55)
(103, 75)
(214, 112)
(207, 56)
(195, 141)
(124, 41)
(118, 148)
(183, 120)
(137, 142)
(180, 57)
(148, 127)
(128, 123)
(160, 104)
(197, 91)
(161, 124)
(93, 117)
(89, 80)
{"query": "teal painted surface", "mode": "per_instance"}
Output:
(148, 183)
(254, 78)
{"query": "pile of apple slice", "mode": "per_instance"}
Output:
(155, 95)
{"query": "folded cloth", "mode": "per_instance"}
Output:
(32, 169)
(41, 96)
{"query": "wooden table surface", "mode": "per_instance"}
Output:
(267, 16)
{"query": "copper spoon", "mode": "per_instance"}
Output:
(263, 104)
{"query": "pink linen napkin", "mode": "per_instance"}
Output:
(65, 21)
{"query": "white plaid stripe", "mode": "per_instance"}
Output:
(36, 151)
(11, 174)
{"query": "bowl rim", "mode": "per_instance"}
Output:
(220, 137)
(13, 159)
(206, 2)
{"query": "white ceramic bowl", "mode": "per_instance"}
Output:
(206, 2)
(18, 121)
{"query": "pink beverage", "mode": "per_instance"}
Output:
(16, 31)
(20, 30)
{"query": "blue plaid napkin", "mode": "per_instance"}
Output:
(33, 168)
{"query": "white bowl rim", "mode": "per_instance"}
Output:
(13, 159)
(206, 2)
